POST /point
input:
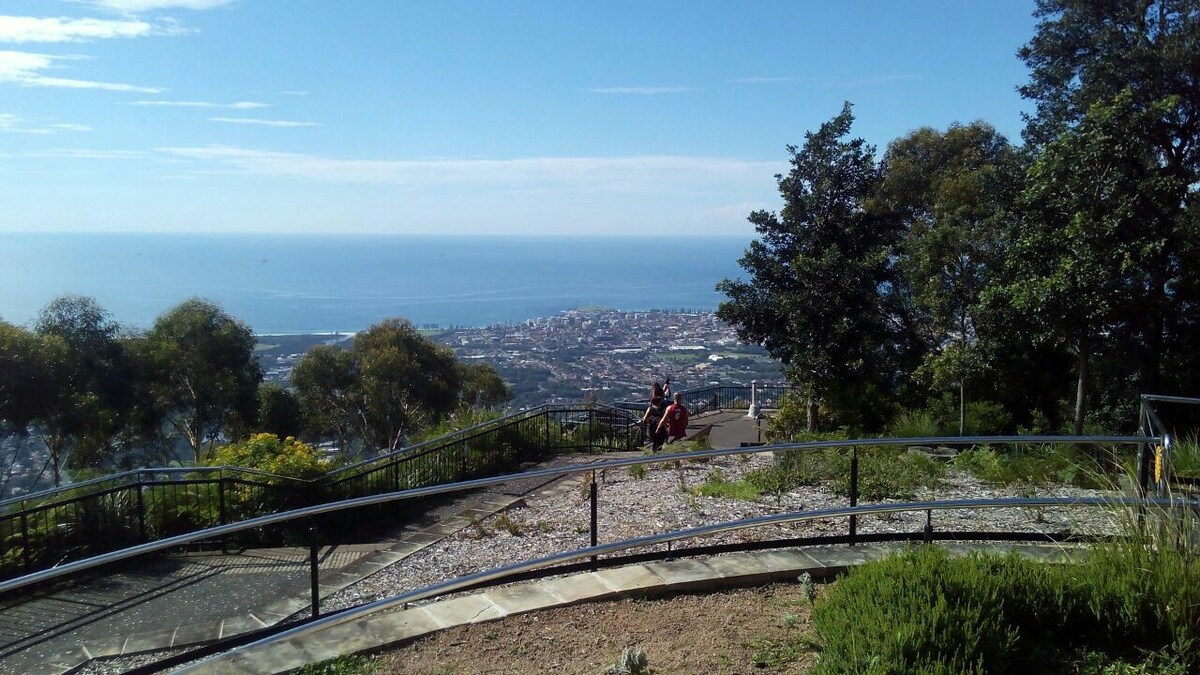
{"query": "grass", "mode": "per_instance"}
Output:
(715, 485)
(342, 665)
(883, 473)
(1033, 466)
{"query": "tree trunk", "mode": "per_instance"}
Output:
(1081, 387)
(814, 411)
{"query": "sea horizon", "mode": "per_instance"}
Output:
(324, 283)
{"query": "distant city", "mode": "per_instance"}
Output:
(595, 353)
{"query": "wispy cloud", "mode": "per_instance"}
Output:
(10, 123)
(772, 79)
(25, 68)
(262, 123)
(294, 92)
(136, 6)
(237, 105)
(641, 91)
(88, 153)
(638, 173)
(62, 29)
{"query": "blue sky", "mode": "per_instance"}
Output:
(375, 116)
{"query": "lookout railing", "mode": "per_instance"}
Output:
(721, 397)
(85, 519)
(322, 522)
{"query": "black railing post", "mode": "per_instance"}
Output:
(314, 574)
(221, 496)
(592, 497)
(927, 533)
(546, 447)
(853, 493)
(25, 537)
(137, 485)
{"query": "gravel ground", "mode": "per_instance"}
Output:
(662, 501)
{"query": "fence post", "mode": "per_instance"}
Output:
(314, 574)
(137, 485)
(25, 537)
(546, 447)
(221, 496)
(592, 496)
(853, 492)
(927, 533)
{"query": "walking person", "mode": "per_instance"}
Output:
(675, 419)
(652, 418)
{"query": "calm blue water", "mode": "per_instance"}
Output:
(301, 284)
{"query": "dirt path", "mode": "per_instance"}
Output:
(758, 630)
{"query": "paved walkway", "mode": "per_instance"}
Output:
(193, 598)
(373, 632)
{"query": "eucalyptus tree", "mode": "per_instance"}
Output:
(205, 374)
(821, 271)
(951, 191)
(89, 384)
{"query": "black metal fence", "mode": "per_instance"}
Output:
(721, 397)
(111, 513)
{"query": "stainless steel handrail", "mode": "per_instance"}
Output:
(498, 573)
(553, 472)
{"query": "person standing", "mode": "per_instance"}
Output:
(675, 419)
(652, 418)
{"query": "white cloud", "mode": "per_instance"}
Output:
(11, 123)
(641, 91)
(640, 173)
(769, 79)
(62, 29)
(294, 92)
(135, 6)
(87, 153)
(238, 105)
(25, 68)
(263, 123)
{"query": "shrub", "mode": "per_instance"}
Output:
(715, 485)
(266, 452)
(1034, 466)
(914, 424)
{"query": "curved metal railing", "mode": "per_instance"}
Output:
(112, 513)
(309, 512)
(553, 562)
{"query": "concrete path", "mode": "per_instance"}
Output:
(374, 632)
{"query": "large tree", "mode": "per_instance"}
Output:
(951, 191)
(90, 383)
(391, 382)
(1116, 85)
(820, 270)
(206, 374)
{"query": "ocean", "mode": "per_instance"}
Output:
(293, 284)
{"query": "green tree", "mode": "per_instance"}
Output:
(482, 386)
(951, 191)
(206, 376)
(1139, 60)
(407, 381)
(330, 393)
(820, 272)
(28, 384)
(90, 385)
(278, 411)
(1085, 254)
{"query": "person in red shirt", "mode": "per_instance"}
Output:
(675, 419)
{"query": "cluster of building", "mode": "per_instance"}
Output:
(611, 355)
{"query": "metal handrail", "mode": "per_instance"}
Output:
(498, 573)
(552, 472)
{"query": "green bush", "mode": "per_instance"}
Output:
(1129, 607)
(883, 473)
(914, 424)
(1034, 466)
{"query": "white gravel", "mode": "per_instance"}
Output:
(663, 501)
